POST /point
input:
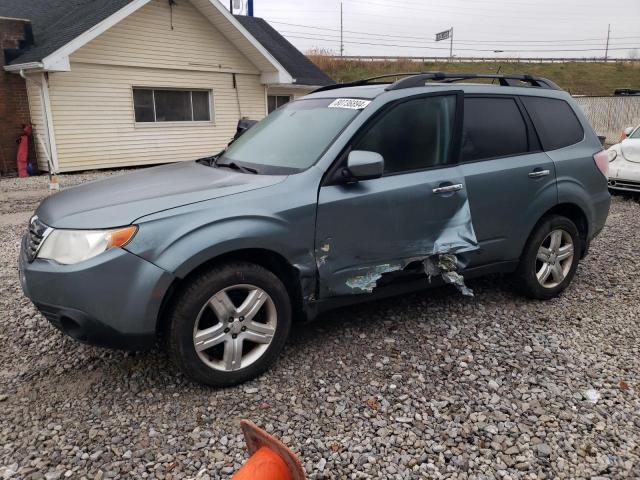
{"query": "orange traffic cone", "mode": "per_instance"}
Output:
(270, 459)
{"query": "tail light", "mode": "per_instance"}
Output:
(602, 162)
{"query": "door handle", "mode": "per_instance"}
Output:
(539, 173)
(448, 188)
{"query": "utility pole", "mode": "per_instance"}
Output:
(451, 46)
(341, 33)
(606, 51)
(231, 6)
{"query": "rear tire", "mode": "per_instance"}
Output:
(550, 258)
(229, 324)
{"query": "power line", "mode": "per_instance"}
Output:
(419, 43)
(464, 49)
(469, 41)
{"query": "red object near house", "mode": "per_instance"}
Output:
(23, 150)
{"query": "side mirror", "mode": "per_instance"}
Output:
(244, 124)
(628, 131)
(363, 165)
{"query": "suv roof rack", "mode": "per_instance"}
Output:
(418, 79)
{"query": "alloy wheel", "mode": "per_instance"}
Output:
(554, 258)
(235, 327)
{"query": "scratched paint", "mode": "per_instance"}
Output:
(369, 280)
(437, 253)
(323, 253)
(374, 231)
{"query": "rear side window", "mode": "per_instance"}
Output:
(555, 121)
(493, 127)
(413, 135)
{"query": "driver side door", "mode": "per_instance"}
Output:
(417, 208)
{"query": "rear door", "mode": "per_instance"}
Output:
(510, 181)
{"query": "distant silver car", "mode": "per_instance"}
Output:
(624, 167)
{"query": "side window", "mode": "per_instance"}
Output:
(555, 121)
(413, 135)
(492, 127)
(276, 101)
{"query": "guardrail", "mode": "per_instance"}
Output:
(385, 58)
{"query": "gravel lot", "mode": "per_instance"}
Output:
(430, 385)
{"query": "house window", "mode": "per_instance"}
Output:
(276, 101)
(162, 105)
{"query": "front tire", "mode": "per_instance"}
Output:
(550, 258)
(229, 324)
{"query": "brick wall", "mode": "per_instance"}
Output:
(14, 107)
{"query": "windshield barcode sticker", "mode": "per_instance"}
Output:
(352, 103)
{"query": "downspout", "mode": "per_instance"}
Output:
(53, 177)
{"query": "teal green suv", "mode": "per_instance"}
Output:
(354, 192)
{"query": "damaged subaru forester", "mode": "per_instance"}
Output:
(356, 191)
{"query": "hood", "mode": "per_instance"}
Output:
(120, 200)
(630, 149)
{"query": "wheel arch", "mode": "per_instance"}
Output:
(574, 213)
(290, 275)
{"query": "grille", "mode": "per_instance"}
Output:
(36, 234)
(627, 185)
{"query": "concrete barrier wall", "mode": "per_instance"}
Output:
(609, 116)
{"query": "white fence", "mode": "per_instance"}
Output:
(609, 116)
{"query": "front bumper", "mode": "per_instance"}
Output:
(112, 300)
(624, 176)
(621, 185)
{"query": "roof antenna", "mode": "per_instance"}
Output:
(171, 4)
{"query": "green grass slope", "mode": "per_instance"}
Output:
(578, 78)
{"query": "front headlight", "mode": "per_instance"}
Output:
(72, 246)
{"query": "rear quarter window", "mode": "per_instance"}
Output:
(555, 122)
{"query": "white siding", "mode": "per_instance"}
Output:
(41, 137)
(92, 105)
(146, 39)
(95, 125)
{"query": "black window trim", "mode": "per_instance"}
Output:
(333, 175)
(210, 105)
(533, 140)
(276, 95)
(542, 149)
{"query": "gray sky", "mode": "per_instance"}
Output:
(522, 28)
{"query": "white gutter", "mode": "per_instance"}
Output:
(24, 66)
(293, 86)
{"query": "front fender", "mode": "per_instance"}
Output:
(187, 250)
(182, 239)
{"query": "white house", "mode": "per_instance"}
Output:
(115, 83)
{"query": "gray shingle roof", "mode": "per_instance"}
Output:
(57, 22)
(303, 70)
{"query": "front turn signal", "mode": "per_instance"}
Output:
(122, 236)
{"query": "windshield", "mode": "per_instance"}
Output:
(635, 133)
(290, 139)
